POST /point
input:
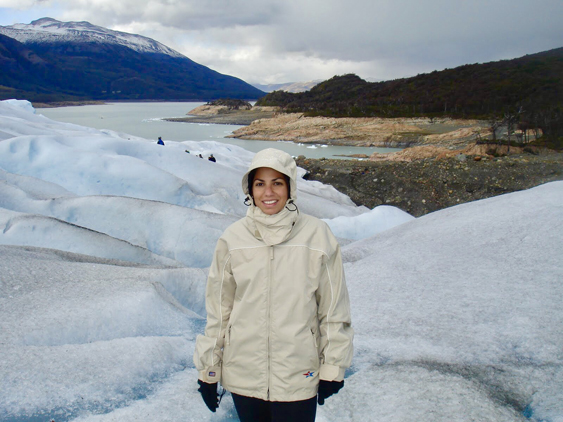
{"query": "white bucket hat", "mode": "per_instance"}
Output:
(278, 160)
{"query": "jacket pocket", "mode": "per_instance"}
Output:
(227, 348)
(314, 337)
(315, 349)
(228, 339)
(315, 341)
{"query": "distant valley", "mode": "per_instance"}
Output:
(289, 86)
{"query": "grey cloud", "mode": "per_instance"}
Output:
(397, 37)
(182, 14)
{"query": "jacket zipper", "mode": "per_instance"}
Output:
(269, 317)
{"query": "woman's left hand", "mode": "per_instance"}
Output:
(327, 389)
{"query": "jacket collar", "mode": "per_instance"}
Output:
(272, 229)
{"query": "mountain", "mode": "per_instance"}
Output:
(288, 86)
(533, 83)
(49, 60)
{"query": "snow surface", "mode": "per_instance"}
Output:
(48, 30)
(105, 241)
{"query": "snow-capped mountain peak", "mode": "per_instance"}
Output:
(48, 30)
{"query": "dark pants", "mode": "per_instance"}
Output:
(250, 409)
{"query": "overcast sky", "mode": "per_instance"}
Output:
(278, 41)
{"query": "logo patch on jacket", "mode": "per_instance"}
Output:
(212, 374)
(308, 374)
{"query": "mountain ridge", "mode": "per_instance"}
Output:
(48, 30)
(49, 61)
(288, 86)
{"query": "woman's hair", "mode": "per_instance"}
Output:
(251, 182)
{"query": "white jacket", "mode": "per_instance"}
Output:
(278, 313)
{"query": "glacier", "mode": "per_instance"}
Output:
(105, 243)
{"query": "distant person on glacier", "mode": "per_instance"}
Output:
(160, 141)
(278, 333)
(212, 158)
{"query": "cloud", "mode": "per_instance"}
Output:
(179, 14)
(22, 4)
(296, 40)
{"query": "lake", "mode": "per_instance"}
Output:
(145, 120)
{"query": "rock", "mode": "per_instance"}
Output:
(207, 110)
(232, 104)
(431, 151)
(365, 131)
(440, 182)
(225, 114)
(460, 136)
(411, 154)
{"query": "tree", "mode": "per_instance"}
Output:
(494, 124)
(510, 120)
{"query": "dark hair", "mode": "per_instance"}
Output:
(251, 182)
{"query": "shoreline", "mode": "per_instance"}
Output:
(366, 131)
(67, 104)
(269, 124)
(223, 115)
(57, 104)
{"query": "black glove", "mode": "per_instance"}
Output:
(327, 389)
(209, 394)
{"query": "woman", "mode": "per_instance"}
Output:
(278, 333)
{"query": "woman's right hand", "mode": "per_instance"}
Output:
(209, 394)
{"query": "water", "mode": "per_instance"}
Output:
(145, 120)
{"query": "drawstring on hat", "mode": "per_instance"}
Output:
(290, 202)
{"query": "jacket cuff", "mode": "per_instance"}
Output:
(211, 375)
(331, 373)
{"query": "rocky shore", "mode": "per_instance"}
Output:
(425, 185)
(223, 115)
(268, 124)
(365, 132)
(66, 104)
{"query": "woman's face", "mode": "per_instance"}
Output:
(269, 190)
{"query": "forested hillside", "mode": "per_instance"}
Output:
(529, 88)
